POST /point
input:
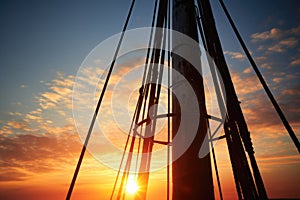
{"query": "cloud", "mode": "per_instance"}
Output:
(53, 97)
(235, 55)
(17, 125)
(23, 86)
(247, 70)
(15, 113)
(291, 92)
(277, 79)
(289, 99)
(12, 175)
(260, 115)
(295, 62)
(282, 45)
(295, 31)
(289, 42)
(266, 66)
(271, 141)
(276, 40)
(59, 93)
(44, 139)
(274, 33)
(241, 84)
(40, 141)
(32, 153)
(293, 158)
(6, 130)
(258, 110)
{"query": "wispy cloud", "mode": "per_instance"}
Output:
(17, 125)
(59, 93)
(277, 40)
(295, 62)
(277, 79)
(290, 99)
(259, 111)
(274, 33)
(241, 83)
(295, 31)
(247, 70)
(283, 45)
(45, 139)
(266, 66)
(15, 113)
(235, 55)
(31, 143)
(23, 86)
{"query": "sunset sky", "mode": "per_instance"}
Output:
(43, 44)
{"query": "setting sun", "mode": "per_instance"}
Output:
(150, 100)
(132, 186)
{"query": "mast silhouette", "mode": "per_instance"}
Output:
(192, 176)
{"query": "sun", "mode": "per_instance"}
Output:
(132, 186)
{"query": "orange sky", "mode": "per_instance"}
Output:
(40, 165)
(40, 145)
(41, 139)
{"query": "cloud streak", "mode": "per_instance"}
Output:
(235, 55)
(277, 40)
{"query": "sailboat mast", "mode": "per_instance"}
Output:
(192, 176)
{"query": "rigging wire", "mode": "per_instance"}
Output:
(236, 122)
(169, 94)
(218, 92)
(136, 116)
(143, 83)
(99, 104)
(261, 79)
(215, 162)
(123, 156)
(153, 87)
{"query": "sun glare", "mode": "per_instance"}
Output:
(132, 186)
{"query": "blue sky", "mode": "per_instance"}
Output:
(39, 38)
(43, 44)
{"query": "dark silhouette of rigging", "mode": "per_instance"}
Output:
(189, 176)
